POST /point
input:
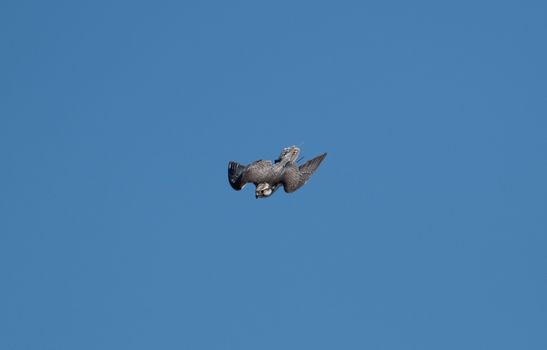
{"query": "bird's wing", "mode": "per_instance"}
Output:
(295, 177)
(256, 172)
(235, 172)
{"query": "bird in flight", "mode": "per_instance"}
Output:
(267, 176)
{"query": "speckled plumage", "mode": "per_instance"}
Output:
(268, 175)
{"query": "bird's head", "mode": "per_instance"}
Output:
(289, 154)
(263, 190)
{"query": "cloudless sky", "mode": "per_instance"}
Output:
(424, 228)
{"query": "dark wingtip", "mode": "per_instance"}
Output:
(234, 175)
(321, 157)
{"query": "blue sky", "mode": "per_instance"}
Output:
(425, 227)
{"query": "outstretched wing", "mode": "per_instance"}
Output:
(295, 176)
(239, 175)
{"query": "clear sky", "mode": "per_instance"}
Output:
(424, 228)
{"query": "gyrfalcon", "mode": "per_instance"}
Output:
(268, 176)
